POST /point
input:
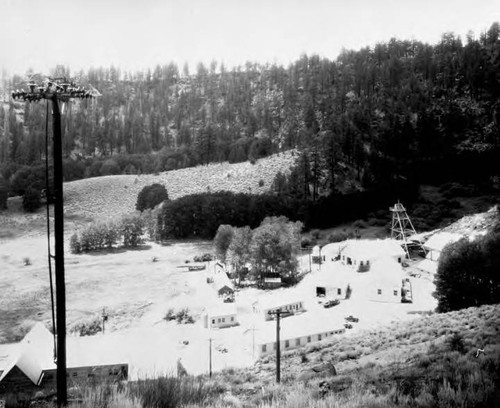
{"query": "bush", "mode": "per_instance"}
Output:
(4, 194)
(109, 167)
(31, 200)
(204, 258)
(151, 196)
(131, 231)
(74, 244)
(338, 236)
(316, 234)
(87, 328)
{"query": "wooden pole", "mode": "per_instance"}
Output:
(62, 394)
(210, 357)
(278, 354)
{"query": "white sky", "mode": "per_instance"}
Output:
(137, 34)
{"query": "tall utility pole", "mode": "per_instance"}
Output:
(57, 90)
(62, 394)
(278, 354)
(210, 357)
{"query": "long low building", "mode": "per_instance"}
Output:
(29, 365)
(295, 332)
(275, 302)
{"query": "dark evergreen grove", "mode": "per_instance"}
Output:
(467, 274)
(397, 111)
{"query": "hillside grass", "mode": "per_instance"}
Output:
(111, 196)
(428, 362)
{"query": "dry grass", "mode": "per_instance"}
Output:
(111, 196)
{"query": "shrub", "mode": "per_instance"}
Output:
(109, 167)
(316, 234)
(4, 194)
(131, 230)
(261, 183)
(74, 244)
(31, 200)
(170, 315)
(203, 258)
(151, 196)
(456, 343)
(338, 236)
(87, 328)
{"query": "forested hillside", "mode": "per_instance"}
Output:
(389, 112)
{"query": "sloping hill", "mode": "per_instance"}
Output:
(111, 196)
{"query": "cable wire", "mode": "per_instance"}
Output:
(47, 195)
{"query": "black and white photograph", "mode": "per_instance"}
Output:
(249, 203)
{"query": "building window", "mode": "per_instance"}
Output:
(274, 344)
(339, 291)
(264, 348)
(223, 319)
(399, 259)
(361, 263)
(218, 320)
(232, 318)
(379, 291)
(308, 339)
(319, 337)
(367, 263)
(213, 321)
(395, 293)
(75, 374)
(297, 342)
(287, 343)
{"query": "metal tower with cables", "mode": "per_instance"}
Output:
(401, 227)
(57, 90)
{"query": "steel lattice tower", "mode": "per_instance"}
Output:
(401, 227)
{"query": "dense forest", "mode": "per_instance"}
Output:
(381, 114)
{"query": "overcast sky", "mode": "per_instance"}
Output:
(137, 34)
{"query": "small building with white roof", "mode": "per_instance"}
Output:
(277, 301)
(29, 364)
(360, 254)
(385, 281)
(220, 316)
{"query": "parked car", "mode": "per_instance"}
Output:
(348, 326)
(331, 303)
(351, 318)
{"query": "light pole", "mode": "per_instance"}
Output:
(55, 90)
